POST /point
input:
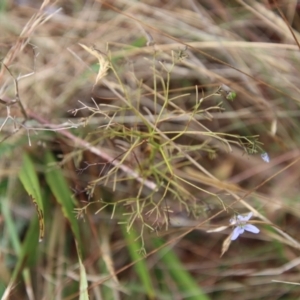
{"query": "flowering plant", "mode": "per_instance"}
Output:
(241, 225)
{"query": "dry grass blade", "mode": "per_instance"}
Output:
(103, 62)
(225, 245)
(28, 30)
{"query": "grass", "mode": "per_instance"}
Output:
(132, 132)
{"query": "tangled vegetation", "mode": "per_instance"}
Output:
(149, 149)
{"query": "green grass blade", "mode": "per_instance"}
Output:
(31, 184)
(25, 252)
(186, 283)
(28, 252)
(10, 224)
(61, 191)
(134, 247)
(83, 285)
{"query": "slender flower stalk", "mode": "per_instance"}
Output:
(241, 225)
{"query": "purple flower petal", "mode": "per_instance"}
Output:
(248, 217)
(265, 157)
(251, 228)
(236, 232)
(240, 222)
(232, 221)
(245, 218)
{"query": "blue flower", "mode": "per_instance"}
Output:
(265, 157)
(241, 225)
